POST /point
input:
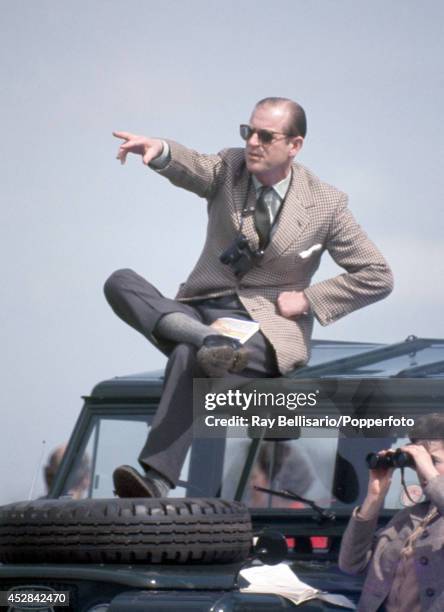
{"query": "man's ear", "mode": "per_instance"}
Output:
(296, 142)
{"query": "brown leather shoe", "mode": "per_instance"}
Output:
(129, 483)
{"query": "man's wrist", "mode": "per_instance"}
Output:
(307, 308)
(162, 160)
(310, 304)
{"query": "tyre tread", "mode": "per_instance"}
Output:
(174, 531)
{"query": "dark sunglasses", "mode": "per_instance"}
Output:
(265, 136)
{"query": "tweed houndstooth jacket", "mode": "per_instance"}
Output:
(314, 213)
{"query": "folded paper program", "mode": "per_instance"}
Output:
(240, 329)
(280, 580)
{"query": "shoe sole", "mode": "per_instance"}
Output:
(129, 483)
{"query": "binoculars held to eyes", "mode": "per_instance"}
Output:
(398, 459)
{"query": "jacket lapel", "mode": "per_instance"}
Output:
(244, 196)
(249, 228)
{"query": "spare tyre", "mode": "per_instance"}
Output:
(142, 530)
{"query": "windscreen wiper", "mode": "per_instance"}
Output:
(323, 513)
(428, 369)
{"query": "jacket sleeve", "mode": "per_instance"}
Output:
(357, 544)
(193, 171)
(368, 277)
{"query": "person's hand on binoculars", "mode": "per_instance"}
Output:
(380, 479)
(423, 462)
(378, 484)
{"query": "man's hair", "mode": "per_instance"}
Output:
(297, 126)
(80, 474)
(428, 427)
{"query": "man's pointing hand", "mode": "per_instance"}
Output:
(148, 148)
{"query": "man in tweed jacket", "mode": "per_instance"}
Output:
(306, 217)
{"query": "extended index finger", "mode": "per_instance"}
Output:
(124, 135)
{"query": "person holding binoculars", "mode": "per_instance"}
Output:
(405, 559)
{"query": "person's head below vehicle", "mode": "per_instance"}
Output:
(274, 137)
(80, 481)
(278, 466)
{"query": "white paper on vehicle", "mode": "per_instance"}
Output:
(281, 580)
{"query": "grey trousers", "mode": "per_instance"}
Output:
(141, 305)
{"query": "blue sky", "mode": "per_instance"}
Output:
(370, 78)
